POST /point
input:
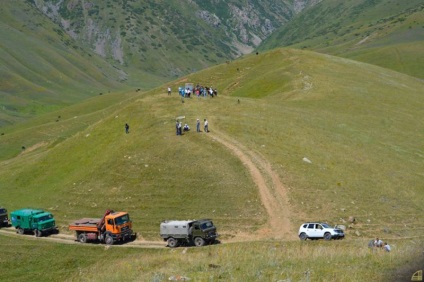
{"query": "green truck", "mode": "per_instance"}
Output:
(37, 222)
(188, 232)
(4, 220)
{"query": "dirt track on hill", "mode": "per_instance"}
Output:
(70, 239)
(272, 192)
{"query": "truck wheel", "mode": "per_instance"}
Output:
(37, 233)
(327, 236)
(172, 243)
(109, 240)
(198, 241)
(82, 238)
(20, 231)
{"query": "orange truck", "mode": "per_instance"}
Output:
(112, 227)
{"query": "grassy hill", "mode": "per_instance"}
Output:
(384, 32)
(359, 125)
(43, 69)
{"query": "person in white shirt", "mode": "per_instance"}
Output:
(206, 126)
(378, 243)
(387, 247)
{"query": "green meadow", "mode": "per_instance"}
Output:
(384, 33)
(345, 260)
(360, 126)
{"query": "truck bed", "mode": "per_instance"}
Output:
(85, 224)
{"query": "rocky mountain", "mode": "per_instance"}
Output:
(172, 37)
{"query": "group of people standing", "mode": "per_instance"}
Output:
(198, 91)
(179, 127)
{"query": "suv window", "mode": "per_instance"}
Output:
(311, 226)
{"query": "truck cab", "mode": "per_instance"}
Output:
(203, 228)
(34, 221)
(4, 220)
(118, 225)
(112, 227)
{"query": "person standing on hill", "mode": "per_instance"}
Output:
(127, 128)
(176, 127)
(387, 247)
(169, 91)
(198, 125)
(378, 243)
(180, 128)
(206, 126)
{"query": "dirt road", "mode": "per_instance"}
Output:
(272, 192)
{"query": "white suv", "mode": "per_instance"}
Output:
(317, 230)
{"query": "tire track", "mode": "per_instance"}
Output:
(70, 239)
(272, 192)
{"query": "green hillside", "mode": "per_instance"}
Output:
(43, 69)
(359, 125)
(384, 32)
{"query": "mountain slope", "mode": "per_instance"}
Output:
(386, 33)
(170, 38)
(39, 70)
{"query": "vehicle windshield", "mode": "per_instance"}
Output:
(43, 218)
(206, 225)
(325, 225)
(3, 211)
(122, 219)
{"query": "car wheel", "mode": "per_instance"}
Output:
(109, 240)
(303, 236)
(20, 231)
(198, 241)
(82, 238)
(327, 236)
(172, 243)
